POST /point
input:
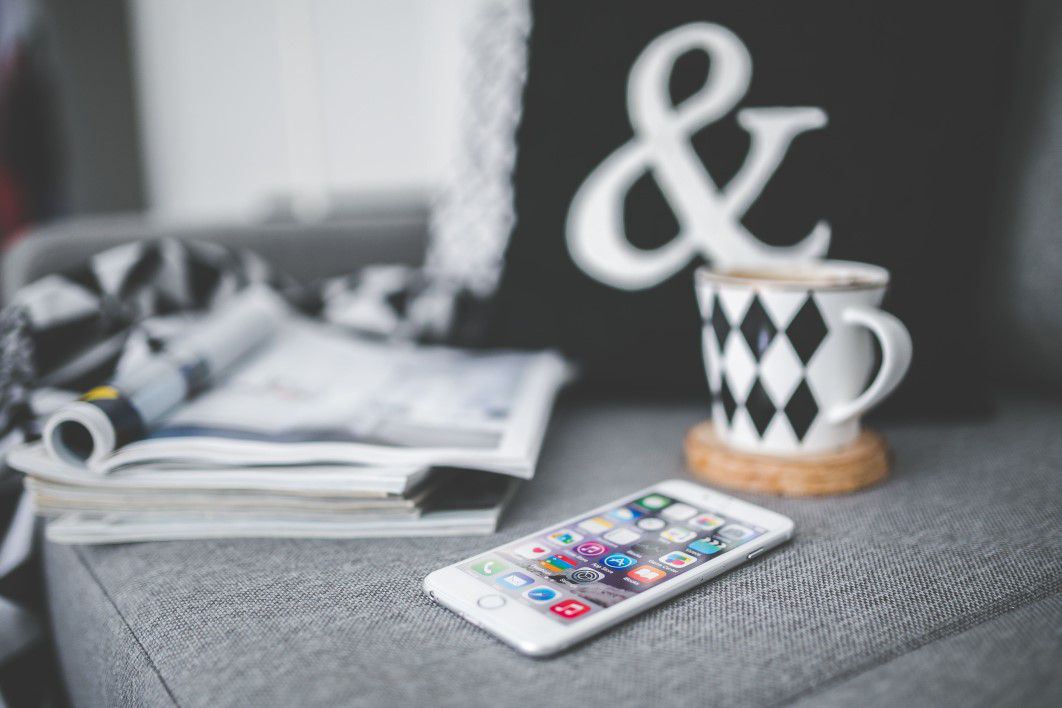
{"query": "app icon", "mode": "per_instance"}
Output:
(598, 524)
(540, 593)
(678, 559)
(708, 522)
(490, 567)
(591, 549)
(678, 512)
(515, 580)
(735, 532)
(565, 537)
(646, 574)
(532, 551)
(558, 563)
(622, 536)
(625, 514)
(651, 523)
(654, 501)
(678, 534)
(569, 609)
(619, 561)
(707, 546)
(586, 575)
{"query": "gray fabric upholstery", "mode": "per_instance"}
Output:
(966, 533)
(386, 229)
(18, 630)
(101, 655)
(1021, 650)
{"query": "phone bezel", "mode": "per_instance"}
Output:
(535, 634)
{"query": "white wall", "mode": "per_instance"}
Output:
(245, 100)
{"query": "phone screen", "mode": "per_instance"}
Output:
(570, 572)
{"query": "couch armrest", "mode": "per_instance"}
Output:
(392, 230)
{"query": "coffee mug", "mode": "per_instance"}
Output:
(788, 352)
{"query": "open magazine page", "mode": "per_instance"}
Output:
(316, 395)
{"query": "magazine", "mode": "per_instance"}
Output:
(463, 503)
(360, 480)
(317, 395)
(314, 432)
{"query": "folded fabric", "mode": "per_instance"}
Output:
(69, 330)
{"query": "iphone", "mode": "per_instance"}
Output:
(545, 592)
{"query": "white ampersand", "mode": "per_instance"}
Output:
(709, 217)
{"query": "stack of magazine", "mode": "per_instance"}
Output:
(317, 433)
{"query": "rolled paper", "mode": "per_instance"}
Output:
(85, 431)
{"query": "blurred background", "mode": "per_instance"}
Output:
(125, 117)
(223, 111)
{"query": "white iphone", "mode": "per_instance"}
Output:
(558, 586)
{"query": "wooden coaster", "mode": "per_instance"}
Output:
(863, 463)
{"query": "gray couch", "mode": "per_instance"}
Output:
(939, 587)
(942, 586)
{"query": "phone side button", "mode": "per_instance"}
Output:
(755, 554)
(491, 602)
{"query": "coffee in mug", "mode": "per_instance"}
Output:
(788, 352)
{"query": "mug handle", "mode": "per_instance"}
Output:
(896, 349)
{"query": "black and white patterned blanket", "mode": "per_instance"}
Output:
(68, 330)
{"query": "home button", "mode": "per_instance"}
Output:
(491, 602)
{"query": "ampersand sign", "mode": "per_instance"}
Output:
(709, 216)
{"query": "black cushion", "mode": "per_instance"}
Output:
(902, 173)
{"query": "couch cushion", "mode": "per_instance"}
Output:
(388, 229)
(967, 530)
(1014, 648)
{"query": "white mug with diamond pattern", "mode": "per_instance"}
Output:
(788, 353)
